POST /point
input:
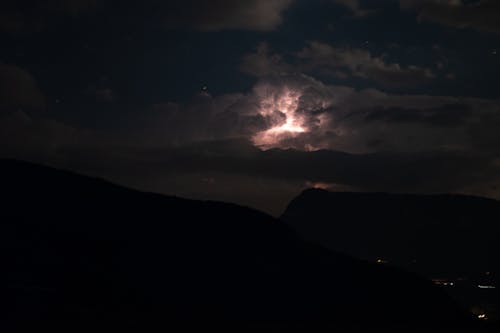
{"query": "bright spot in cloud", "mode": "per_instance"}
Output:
(281, 108)
(320, 185)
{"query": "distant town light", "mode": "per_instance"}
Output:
(442, 282)
(485, 287)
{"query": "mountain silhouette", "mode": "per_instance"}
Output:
(448, 237)
(79, 252)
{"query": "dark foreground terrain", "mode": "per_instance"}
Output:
(83, 254)
(451, 239)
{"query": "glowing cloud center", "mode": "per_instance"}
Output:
(281, 109)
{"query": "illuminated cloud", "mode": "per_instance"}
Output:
(295, 109)
(282, 109)
(299, 112)
(324, 58)
(329, 61)
(326, 136)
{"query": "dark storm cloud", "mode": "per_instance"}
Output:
(71, 7)
(318, 56)
(448, 115)
(26, 16)
(264, 63)
(119, 79)
(376, 120)
(354, 6)
(38, 139)
(333, 117)
(480, 15)
(203, 148)
(101, 93)
(322, 58)
(18, 89)
(203, 118)
(426, 172)
(221, 169)
(259, 15)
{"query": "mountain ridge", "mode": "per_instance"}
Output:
(81, 250)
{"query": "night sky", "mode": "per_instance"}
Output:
(253, 101)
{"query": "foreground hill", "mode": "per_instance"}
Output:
(78, 251)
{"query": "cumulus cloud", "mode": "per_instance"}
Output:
(263, 62)
(295, 111)
(327, 60)
(479, 15)
(363, 121)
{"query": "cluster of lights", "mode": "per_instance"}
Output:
(445, 283)
(382, 261)
(485, 287)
